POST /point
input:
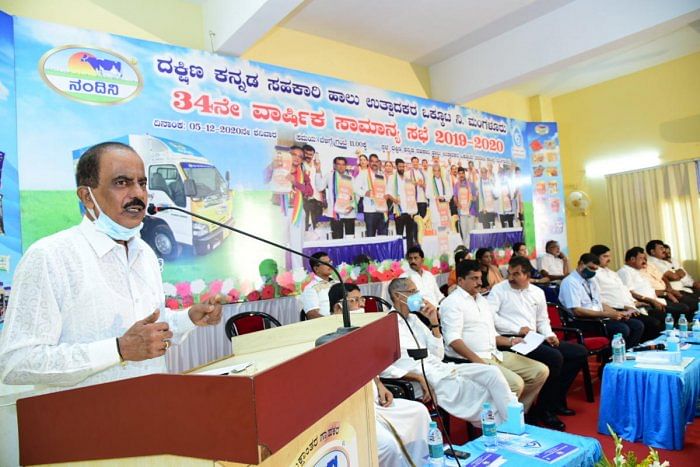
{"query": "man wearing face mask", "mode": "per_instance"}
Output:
(88, 302)
(581, 295)
(459, 389)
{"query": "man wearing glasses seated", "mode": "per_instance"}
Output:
(460, 389)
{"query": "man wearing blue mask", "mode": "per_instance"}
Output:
(581, 295)
(88, 302)
(458, 388)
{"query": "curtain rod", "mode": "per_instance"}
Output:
(669, 164)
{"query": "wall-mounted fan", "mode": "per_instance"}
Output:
(579, 202)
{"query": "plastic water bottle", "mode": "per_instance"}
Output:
(618, 349)
(436, 450)
(669, 323)
(696, 329)
(682, 327)
(673, 345)
(488, 427)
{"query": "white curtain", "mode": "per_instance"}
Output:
(660, 203)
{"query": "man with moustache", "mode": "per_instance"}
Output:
(400, 189)
(375, 220)
(521, 307)
(424, 280)
(313, 205)
(87, 303)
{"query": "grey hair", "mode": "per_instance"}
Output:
(397, 284)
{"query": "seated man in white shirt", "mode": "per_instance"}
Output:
(617, 295)
(314, 298)
(521, 307)
(554, 264)
(580, 294)
(460, 389)
(424, 280)
(402, 425)
(656, 255)
(470, 333)
(687, 280)
(87, 302)
(643, 290)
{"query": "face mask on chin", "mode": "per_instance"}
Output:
(107, 226)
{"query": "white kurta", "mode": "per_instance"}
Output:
(73, 294)
(460, 389)
(552, 264)
(410, 419)
(518, 308)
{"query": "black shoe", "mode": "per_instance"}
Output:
(551, 421)
(564, 411)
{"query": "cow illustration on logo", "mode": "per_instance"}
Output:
(91, 75)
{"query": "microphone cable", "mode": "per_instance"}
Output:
(431, 393)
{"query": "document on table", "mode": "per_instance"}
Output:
(531, 341)
(226, 370)
(666, 366)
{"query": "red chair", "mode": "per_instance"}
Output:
(375, 304)
(244, 323)
(595, 345)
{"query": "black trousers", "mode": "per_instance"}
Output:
(631, 330)
(487, 218)
(564, 363)
(338, 225)
(678, 309)
(506, 219)
(313, 209)
(422, 209)
(653, 324)
(405, 222)
(375, 223)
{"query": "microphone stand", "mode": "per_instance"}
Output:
(347, 327)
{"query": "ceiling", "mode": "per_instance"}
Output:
(474, 47)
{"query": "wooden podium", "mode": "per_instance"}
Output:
(296, 405)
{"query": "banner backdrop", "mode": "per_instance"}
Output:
(215, 134)
(549, 201)
(10, 236)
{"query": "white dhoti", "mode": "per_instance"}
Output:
(463, 389)
(410, 421)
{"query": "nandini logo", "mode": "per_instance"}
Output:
(334, 458)
(91, 75)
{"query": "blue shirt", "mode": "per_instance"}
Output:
(577, 292)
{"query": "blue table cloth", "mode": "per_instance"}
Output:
(346, 250)
(650, 406)
(589, 449)
(496, 238)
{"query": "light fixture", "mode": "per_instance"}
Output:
(622, 163)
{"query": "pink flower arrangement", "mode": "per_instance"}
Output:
(215, 287)
(183, 289)
(172, 303)
(234, 295)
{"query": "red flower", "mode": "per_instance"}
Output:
(172, 303)
(362, 279)
(187, 301)
(254, 296)
(268, 292)
(435, 270)
(284, 291)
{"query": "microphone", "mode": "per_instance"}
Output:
(347, 327)
(645, 348)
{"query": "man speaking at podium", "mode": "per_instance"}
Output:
(87, 303)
